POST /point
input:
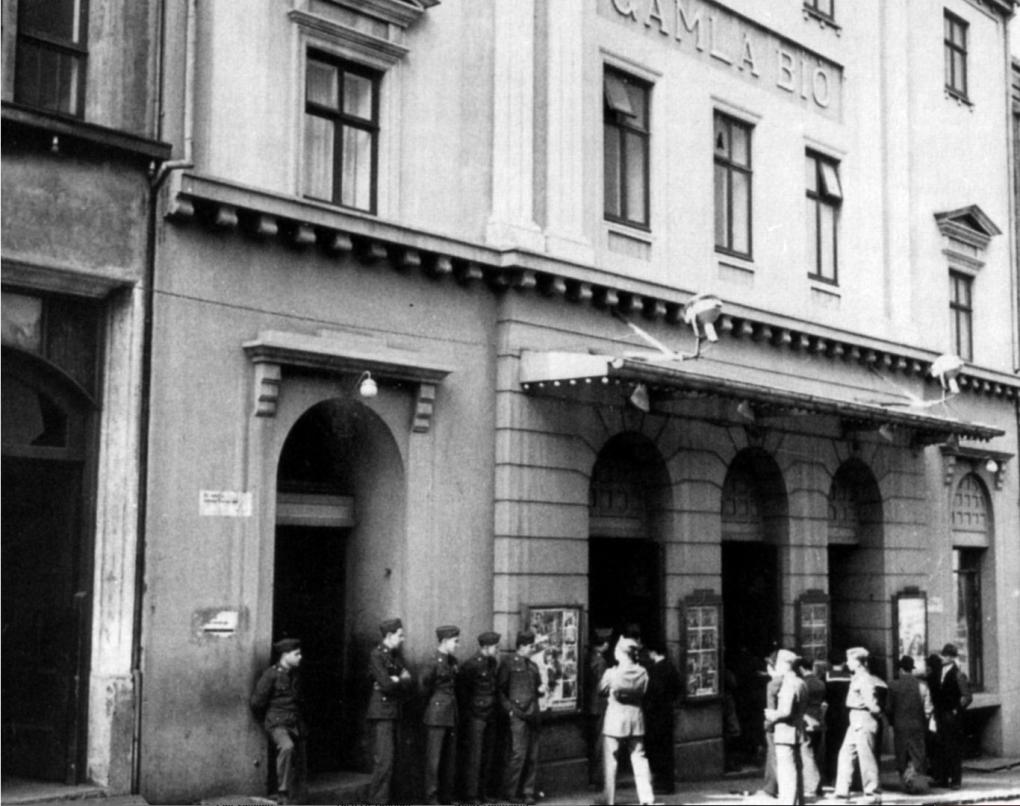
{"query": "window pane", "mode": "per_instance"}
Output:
(722, 237)
(830, 180)
(616, 95)
(612, 168)
(722, 137)
(358, 96)
(811, 174)
(47, 78)
(634, 152)
(31, 417)
(741, 145)
(356, 180)
(318, 179)
(22, 321)
(638, 96)
(959, 76)
(59, 19)
(827, 267)
(321, 84)
(949, 66)
(741, 212)
(811, 217)
(964, 343)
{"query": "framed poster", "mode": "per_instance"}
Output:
(701, 645)
(557, 654)
(910, 625)
(812, 613)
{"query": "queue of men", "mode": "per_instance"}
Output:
(484, 692)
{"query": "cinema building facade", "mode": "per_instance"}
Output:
(473, 203)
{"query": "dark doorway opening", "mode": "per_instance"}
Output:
(308, 603)
(844, 597)
(624, 584)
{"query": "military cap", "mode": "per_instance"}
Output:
(857, 652)
(489, 638)
(285, 645)
(525, 638)
(390, 626)
(950, 651)
(447, 631)
(786, 656)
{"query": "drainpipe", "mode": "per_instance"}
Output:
(159, 175)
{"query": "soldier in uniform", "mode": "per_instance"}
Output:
(520, 686)
(276, 700)
(859, 744)
(391, 683)
(438, 685)
(595, 704)
(787, 719)
(478, 695)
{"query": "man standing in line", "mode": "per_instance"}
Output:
(952, 698)
(438, 685)
(477, 683)
(520, 686)
(813, 749)
(391, 684)
(862, 734)
(788, 722)
(595, 704)
(277, 701)
(660, 718)
(909, 708)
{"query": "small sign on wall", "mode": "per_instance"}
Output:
(224, 504)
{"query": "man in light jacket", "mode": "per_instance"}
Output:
(623, 725)
(859, 744)
(788, 720)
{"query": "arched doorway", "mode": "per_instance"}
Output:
(972, 527)
(627, 505)
(339, 491)
(856, 562)
(47, 566)
(754, 517)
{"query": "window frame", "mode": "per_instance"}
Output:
(952, 23)
(967, 573)
(731, 167)
(618, 119)
(812, 7)
(339, 120)
(75, 49)
(961, 309)
(823, 195)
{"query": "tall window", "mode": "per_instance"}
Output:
(961, 314)
(732, 186)
(967, 573)
(824, 197)
(955, 38)
(341, 133)
(49, 69)
(626, 132)
(823, 8)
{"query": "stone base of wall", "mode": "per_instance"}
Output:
(698, 761)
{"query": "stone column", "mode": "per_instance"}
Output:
(512, 223)
(565, 115)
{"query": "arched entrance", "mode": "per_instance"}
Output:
(339, 493)
(855, 561)
(754, 518)
(47, 565)
(972, 526)
(627, 505)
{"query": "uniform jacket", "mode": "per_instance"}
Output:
(772, 699)
(477, 684)
(277, 699)
(791, 706)
(387, 693)
(909, 705)
(954, 692)
(862, 700)
(520, 684)
(438, 684)
(624, 718)
(594, 702)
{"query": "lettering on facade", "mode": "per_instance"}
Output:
(224, 504)
(738, 45)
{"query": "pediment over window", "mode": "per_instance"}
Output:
(968, 225)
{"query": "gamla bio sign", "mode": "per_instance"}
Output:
(739, 45)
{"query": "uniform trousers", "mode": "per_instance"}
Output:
(291, 763)
(812, 751)
(480, 747)
(593, 738)
(858, 748)
(659, 747)
(790, 773)
(638, 763)
(771, 785)
(522, 764)
(950, 736)
(383, 746)
(440, 763)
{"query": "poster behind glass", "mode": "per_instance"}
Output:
(702, 650)
(912, 628)
(557, 654)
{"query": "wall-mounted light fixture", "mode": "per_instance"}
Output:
(886, 432)
(367, 387)
(992, 466)
(640, 399)
(746, 410)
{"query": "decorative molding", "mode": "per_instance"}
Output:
(968, 225)
(268, 378)
(424, 407)
(957, 461)
(359, 45)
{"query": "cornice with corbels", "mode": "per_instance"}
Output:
(301, 224)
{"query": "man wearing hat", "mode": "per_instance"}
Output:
(520, 686)
(438, 684)
(477, 684)
(952, 697)
(595, 704)
(863, 711)
(276, 700)
(909, 708)
(788, 731)
(391, 683)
